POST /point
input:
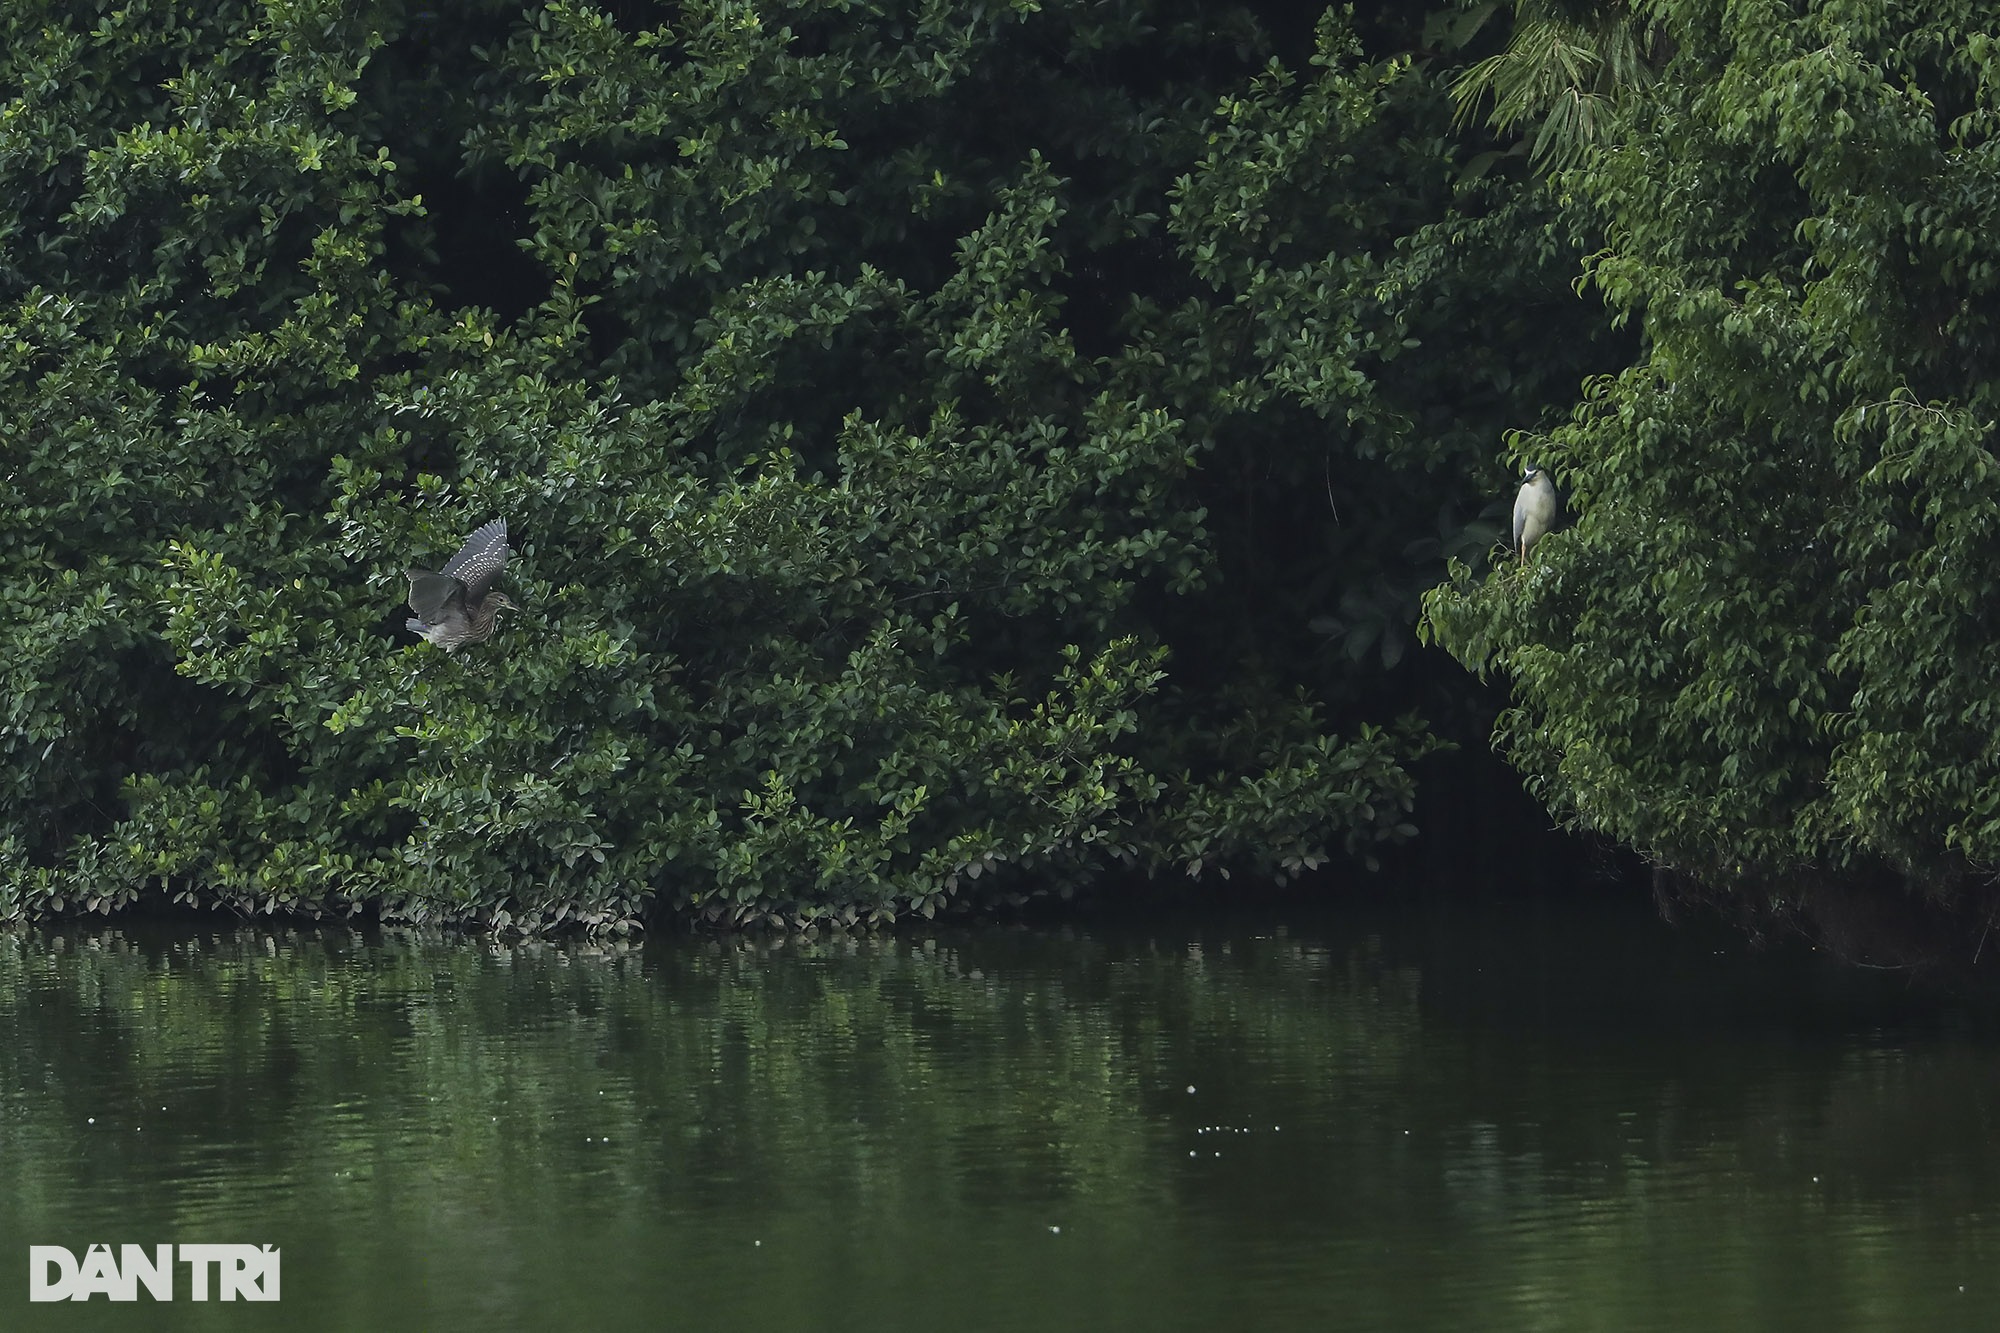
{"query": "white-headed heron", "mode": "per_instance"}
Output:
(1535, 510)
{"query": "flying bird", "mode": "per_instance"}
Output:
(453, 606)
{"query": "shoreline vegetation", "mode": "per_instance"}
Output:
(961, 455)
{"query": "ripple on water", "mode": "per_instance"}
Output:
(1200, 1127)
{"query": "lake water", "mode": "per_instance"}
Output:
(1556, 1116)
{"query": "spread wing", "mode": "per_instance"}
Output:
(477, 563)
(433, 595)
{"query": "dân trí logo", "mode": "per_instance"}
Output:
(230, 1272)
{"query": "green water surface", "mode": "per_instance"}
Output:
(1401, 1118)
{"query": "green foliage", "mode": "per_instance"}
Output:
(918, 430)
(1563, 69)
(1763, 648)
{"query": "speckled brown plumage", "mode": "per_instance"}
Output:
(454, 605)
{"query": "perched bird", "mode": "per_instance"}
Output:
(1535, 509)
(453, 606)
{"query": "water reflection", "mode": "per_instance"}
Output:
(1418, 1121)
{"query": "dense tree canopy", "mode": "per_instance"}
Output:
(959, 450)
(1763, 652)
(949, 446)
